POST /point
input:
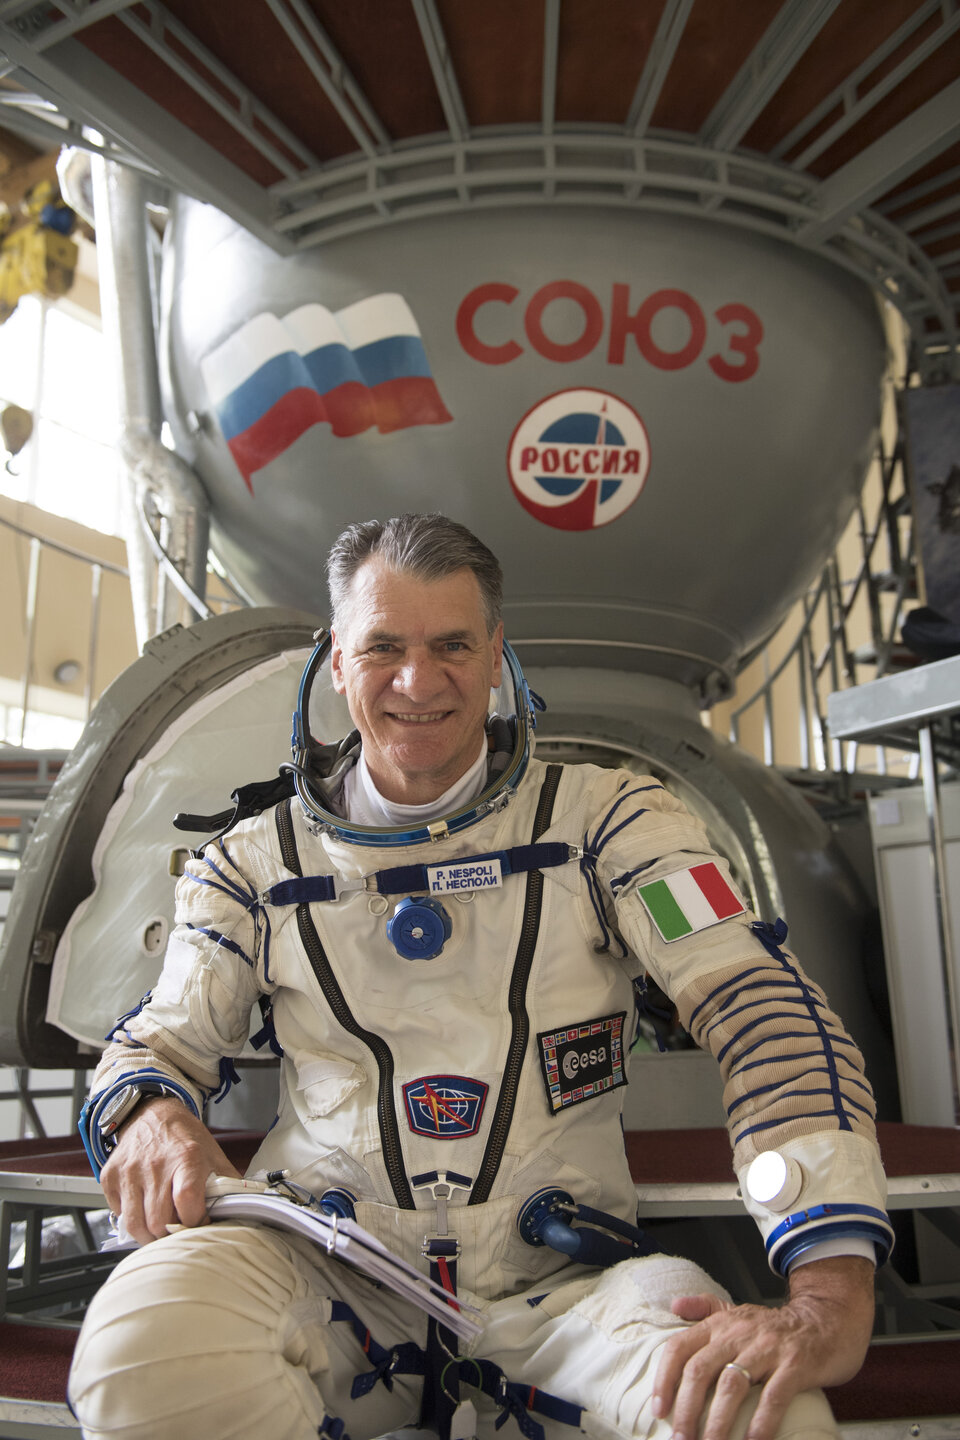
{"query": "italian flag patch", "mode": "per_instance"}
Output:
(689, 900)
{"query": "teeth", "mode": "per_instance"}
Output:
(419, 719)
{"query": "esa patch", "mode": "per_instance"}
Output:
(689, 900)
(583, 1060)
(445, 1107)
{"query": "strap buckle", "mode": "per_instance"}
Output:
(440, 1247)
(358, 884)
(441, 1184)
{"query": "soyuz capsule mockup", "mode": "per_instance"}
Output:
(660, 425)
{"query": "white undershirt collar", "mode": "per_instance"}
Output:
(364, 805)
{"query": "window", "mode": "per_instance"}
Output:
(55, 364)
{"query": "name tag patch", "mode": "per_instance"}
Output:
(582, 1061)
(464, 875)
(689, 900)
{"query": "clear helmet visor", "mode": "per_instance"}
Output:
(322, 719)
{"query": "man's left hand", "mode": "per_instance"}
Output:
(819, 1336)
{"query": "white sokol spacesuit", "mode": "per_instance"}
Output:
(499, 1062)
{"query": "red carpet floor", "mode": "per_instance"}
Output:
(898, 1381)
(34, 1362)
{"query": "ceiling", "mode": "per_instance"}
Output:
(834, 124)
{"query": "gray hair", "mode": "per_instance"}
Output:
(430, 547)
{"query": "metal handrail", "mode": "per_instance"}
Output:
(69, 550)
(98, 566)
(39, 543)
(25, 1095)
(811, 598)
(830, 602)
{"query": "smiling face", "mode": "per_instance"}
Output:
(415, 662)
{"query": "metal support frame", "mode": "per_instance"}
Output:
(43, 1283)
(441, 66)
(922, 136)
(855, 109)
(919, 192)
(26, 1096)
(242, 111)
(673, 21)
(607, 167)
(49, 27)
(795, 27)
(551, 48)
(69, 74)
(901, 1305)
(329, 70)
(666, 177)
(324, 197)
(843, 95)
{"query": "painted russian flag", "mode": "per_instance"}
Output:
(350, 369)
(689, 900)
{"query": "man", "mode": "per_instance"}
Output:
(429, 1042)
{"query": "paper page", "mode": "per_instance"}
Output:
(348, 1241)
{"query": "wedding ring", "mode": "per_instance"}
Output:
(741, 1370)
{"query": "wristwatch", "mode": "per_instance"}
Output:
(122, 1106)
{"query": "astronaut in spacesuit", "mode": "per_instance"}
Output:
(444, 935)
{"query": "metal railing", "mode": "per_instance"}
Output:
(224, 597)
(17, 1088)
(847, 624)
(38, 545)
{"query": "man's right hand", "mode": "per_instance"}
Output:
(157, 1172)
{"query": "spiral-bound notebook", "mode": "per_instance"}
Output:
(349, 1242)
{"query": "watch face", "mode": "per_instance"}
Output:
(118, 1109)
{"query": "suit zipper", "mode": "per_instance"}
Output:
(386, 1111)
(529, 931)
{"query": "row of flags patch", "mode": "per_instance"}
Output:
(353, 369)
(577, 1032)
